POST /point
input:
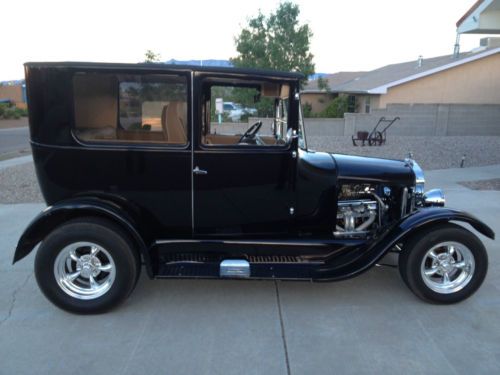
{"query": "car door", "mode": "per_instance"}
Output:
(240, 189)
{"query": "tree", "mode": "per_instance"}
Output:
(323, 84)
(277, 41)
(151, 57)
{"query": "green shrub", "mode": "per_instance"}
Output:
(22, 112)
(9, 112)
(336, 108)
(307, 110)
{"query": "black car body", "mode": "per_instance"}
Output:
(136, 147)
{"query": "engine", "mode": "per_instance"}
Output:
(363, 208)
(360, 210)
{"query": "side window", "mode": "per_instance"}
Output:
(130, 108)
(245, 113)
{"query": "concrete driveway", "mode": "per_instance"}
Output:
(368, 325)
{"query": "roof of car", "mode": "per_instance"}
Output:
(171, 67)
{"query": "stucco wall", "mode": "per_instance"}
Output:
(477, 82)
(430, 119)
(415, 119)
(318, 101)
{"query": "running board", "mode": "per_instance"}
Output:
(255, 267)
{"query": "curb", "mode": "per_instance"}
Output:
(16, 161)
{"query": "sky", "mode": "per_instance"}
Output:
(349, 35)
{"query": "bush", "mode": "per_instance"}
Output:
(336, 108)
(307, 110)
(9, 112)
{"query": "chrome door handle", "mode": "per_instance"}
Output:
(197, 170)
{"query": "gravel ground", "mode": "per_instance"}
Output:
(493, 184)
(429, 152)
(19, 185)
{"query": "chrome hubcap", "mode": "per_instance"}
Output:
(447, 267)
(84, 270)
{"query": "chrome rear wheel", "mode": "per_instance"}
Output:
(87, 265)
(84, 270)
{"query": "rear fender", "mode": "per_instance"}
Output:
(55, 215)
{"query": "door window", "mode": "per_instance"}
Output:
(245, 113)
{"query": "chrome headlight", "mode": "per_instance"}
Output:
(434, 197)
(419, 179)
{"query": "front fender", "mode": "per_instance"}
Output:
(63, 211)
(425, 216)
(367, 256)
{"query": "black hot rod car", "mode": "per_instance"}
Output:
(139, 166)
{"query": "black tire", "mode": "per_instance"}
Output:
(416, 248)
(103, 233)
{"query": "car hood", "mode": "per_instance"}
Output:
(373, 169)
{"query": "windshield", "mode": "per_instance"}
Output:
(302, 132)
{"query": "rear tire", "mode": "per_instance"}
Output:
(444, 265)
(87, 266)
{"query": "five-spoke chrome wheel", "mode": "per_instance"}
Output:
(445, 264)
(84, 270)
(447, 267)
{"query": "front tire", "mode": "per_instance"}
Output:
(87, 266)
(445, 265)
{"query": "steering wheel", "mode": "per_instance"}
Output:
(251, 131)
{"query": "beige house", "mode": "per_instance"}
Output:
(466, 78)
(13, 93)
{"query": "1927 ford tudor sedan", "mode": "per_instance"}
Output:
(139, 165)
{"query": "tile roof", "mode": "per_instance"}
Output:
(377, 81)
(334, 80)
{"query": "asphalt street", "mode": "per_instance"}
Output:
(371, 324)
(14, 140)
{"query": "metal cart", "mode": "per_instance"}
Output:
(375, 137)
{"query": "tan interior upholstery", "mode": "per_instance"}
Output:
(96, 106)
(174, 122)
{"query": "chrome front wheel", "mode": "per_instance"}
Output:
(84, 270)
(447, 267)
(445, 264)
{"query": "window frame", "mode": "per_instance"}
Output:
(124, 144)
(221, 81)
(368, 104)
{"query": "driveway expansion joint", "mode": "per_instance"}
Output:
(282, 327)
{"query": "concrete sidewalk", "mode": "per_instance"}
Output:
(368, 325)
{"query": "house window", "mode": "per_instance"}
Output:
(367, 104)
(351, 104)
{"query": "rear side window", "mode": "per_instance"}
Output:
(130, 108)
